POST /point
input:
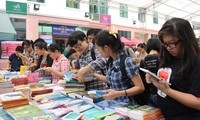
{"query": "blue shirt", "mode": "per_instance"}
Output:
(15, 61)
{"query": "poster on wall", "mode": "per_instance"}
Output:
(8, 47)
(47, 38)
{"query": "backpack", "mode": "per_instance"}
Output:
(142, 98)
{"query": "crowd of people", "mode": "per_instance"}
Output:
(174, 57)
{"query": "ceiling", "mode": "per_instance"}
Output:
(187, 9)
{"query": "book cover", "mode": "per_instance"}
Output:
(57, 96)
(82, 107)
(21, 112)
(4, 115)
(13, 99)
(68, 79)
(59, 112)
(109, 104)
(72, 116)
(126, 108)
(92, 98)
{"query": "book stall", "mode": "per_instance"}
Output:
(24, 97)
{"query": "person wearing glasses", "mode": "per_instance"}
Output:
(80, 42)
(120, 89)
(28, 57)
(180, 54)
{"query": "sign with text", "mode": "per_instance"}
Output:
(105, 19)
(16, 8)
(62, 30)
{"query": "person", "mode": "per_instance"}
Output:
(44, 59)
(141, 49)
(14, 61)
(28, 57)
(151, 62)
(60, 63)
(129, 51)
(79, 41)
(33, 65)
(111, 48)
(67, 49)
(91, 33)
(180, 56)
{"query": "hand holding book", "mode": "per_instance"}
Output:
(160, 80)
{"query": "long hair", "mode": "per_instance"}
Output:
(110, 39)
(181, 29)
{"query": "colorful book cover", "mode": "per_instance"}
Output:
(68, 79)
(109, 104)
(81, 107)
(59, 112)
(92, 98)
(4, 115)
(24, 111)
(57, 96)
(72, 116)
(11, 96)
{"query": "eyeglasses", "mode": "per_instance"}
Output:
(78, 45)
(170, 45)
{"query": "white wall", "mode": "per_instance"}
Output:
(57, 8)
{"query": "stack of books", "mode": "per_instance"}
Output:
(13, 99)
(6, 87)
(146, 113)
(38, 89)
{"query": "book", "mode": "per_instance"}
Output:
(19, 113)
(59, 112)
(126, 108)
(151, 73)
(97, 92)
(4, 115)
(96, 114)
(57, 96)
(45, 117)
(13, 99)
(92, 98)
(68, 79)
(72, 116)
(6, 87)
(24, 89)
(38, 89)
(81, 107)
(109, 104)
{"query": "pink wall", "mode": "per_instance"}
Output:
(32, 22)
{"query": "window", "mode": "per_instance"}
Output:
(126, 34)
(20, 27)
(167, 17)
(142, 15)
(123, 10)
(45, 29)
(154, 36)
(40, 1)
(73, 4)
(155, 17)
(98, 6)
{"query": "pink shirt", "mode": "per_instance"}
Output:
(61, 65)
